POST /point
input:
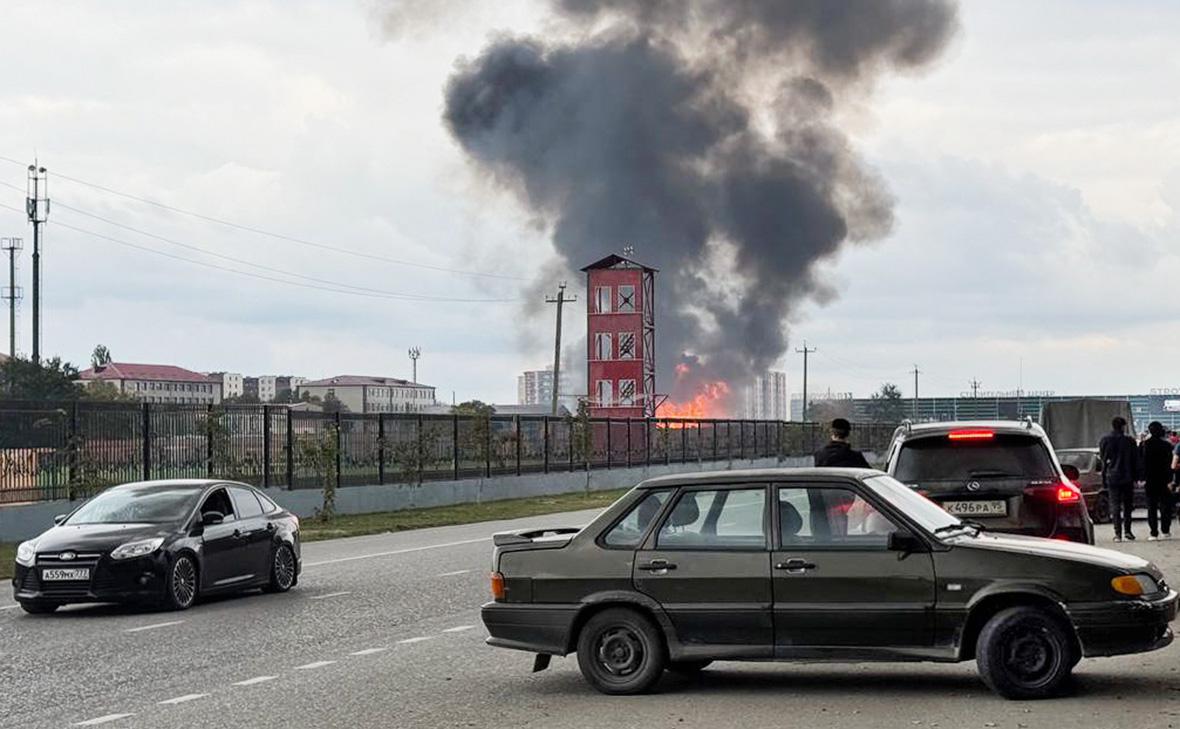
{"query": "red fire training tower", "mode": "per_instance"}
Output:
(620, 337)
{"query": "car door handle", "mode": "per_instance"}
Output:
(795, 566)
(657, 565)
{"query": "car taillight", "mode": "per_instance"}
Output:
(1061, 493)
(972, 434)
(1067, 493)
(497, 587)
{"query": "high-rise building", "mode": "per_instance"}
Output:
(766, 398)
(535, 387)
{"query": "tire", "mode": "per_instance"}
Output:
(183, 584)
(1102, 509)
(39, 608)
(621, 652)
(1025, 653)
(688, 669)
(282, 570)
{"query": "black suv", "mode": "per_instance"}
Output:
(1002, 474)
(813, 564)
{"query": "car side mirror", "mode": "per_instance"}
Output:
(57, 520)
(212, 517)
(904, 540)
(1071, 472)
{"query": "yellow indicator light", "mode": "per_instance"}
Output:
(1127, 585)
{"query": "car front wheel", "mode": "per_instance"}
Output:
(620, 651)
(1024, 653)
(180, 590)
(282, 570)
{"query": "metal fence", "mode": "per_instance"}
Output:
(70, 450)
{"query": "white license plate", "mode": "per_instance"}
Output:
(976, 508)
(78, 573)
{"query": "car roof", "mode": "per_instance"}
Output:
(757, 474)
(1085, 449)
(195, 484)
(1007, 427)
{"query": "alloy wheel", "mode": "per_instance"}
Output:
(184, 582)
(284, 567)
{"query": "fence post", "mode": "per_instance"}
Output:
(418, 458)
(570, 432)
(487, 447)
(545, 443)
(72, 444)
(339, 449)
(628, 442)
(516, 429)
(380, 448)
(209, 440)
(266, 446)
(289, 446)
(147, 442)
(609, 423)
(647, 441)
(455, 442)
(778, 440)
(684, 443)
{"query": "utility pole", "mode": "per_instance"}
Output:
(12, 292)
(560, 300)
(916, 373)
(805, 351)
(37, 207)
(975, 383)
(415, 353)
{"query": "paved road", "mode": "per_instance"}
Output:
(384, 631)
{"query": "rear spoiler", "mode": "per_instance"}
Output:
(526, 536)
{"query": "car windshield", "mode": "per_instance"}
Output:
(1004, 455)
(929, 515)
(149, 505)
(1078, 459)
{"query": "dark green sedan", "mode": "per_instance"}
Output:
(814, 564)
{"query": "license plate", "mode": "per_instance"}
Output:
(78, 573)
(976, 508)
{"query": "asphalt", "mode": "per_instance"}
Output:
(384, 631)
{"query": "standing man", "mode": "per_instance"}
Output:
(1120, 471)
(1157, 456)
(838, 453)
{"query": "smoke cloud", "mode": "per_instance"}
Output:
(705, 134)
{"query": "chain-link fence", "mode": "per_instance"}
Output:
(70, 450)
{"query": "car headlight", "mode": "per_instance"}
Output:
(1135, 585)
(26, 553)
(137, 548)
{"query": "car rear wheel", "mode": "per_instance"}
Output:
(282, 570)
(1025, 653)
(39, 608)
(620, 651)
(181, 588)
(687, 668)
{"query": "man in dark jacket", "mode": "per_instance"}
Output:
(838, 453)
(1156, 454)
(1120, 471)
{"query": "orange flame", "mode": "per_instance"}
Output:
(707, 403)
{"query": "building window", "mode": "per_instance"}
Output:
(626, 299)
(626, 345)
(605, 394)
(627, 393)
(602, 300)
(602, 346)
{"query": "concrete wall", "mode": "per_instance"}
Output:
(18, 523)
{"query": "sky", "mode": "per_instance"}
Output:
(1035, 168)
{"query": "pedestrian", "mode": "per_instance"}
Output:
(1120, 471)
(839, 453)
(1158, 456)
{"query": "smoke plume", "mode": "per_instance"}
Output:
(705, 134)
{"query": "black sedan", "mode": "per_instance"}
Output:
(162, 542)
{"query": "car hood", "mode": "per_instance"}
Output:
(96, 537)
(1056, 549)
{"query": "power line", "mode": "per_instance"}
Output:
(272, 234)
(382, 295)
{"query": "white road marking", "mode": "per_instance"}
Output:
(368, 651)
(182, 699)
(317, 664)
(153, 626)
(330, 594)
(103, 719)
(9, 607)
(456, 572)
(419, 639)
(396, 551)
(458, 628)
(256, 679)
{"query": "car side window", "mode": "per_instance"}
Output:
(631, 528)
(218, 501)
(246, 503)
(716, 519)
(268, 505)
(830, 517)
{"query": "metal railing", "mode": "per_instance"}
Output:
(70, 450)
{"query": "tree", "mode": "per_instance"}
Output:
(886, 405)
(106, 392)
(100, 357)
(246, 398)
(53, 379)
(332, 404)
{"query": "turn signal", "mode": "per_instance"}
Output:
(1127, 585)
(497, 587)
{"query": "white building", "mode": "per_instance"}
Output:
(156, 383)
(362, 394)
(766, 398)
(231, 383)
(535, 387)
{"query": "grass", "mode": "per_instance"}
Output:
(355, 525)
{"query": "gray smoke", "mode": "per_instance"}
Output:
(704, 133)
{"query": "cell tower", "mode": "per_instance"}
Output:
(415, 353)
(12, 293)
(37, 207)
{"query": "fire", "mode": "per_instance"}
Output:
(707, 403)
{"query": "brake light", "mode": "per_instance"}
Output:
(1067, 493)
(973, 434)
(497, 587)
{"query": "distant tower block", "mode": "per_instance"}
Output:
(620, 337)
